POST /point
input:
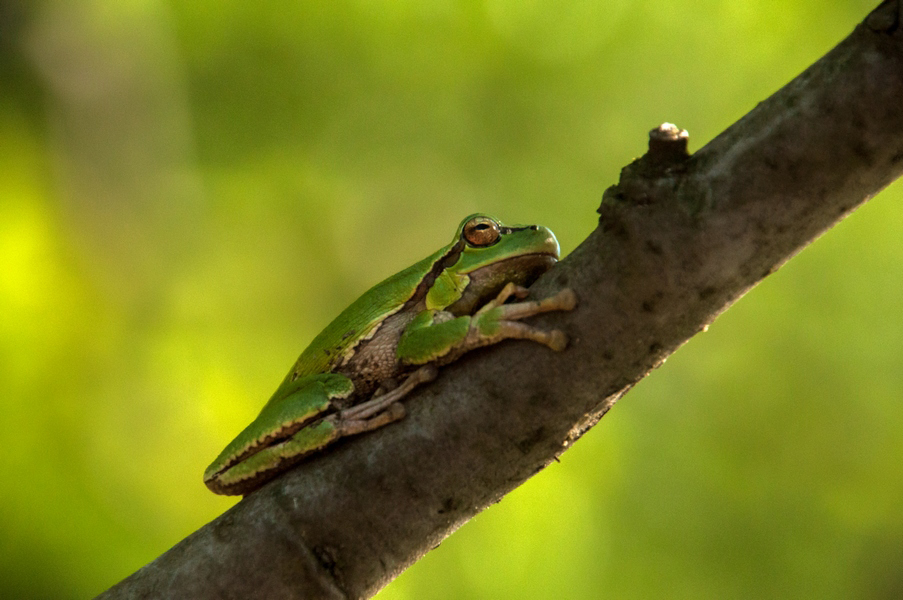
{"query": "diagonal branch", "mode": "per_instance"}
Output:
(680, 238)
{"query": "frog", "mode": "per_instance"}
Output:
(469, 294)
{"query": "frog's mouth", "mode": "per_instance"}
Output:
(486, 282)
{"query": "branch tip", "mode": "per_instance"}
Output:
(886, 18)
(668, 144)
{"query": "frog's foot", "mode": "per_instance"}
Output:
(382, 402)
(503, 322)
(392, 413)
(386, 385)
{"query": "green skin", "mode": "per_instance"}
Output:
(347, 381)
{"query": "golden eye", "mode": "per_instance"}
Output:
(481, 232)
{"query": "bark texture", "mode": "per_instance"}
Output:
(679, 239)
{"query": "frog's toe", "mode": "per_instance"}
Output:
(558, 340)
(566, 299)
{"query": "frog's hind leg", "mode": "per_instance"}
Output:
(383, 409)
(392, 413)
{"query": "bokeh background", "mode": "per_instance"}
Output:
(189, 191)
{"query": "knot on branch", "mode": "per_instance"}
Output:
(655, 174)
(667, 145)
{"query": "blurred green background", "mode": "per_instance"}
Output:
(189, 191)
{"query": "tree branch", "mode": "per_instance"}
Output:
(680, 238)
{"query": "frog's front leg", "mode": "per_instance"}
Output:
(438, 337)
(497, 321)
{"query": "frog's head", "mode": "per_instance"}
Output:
(492, 254)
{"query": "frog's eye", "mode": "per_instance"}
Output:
(481, 232)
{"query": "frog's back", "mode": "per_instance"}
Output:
(360, 318)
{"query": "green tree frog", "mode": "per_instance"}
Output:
(393, 338)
